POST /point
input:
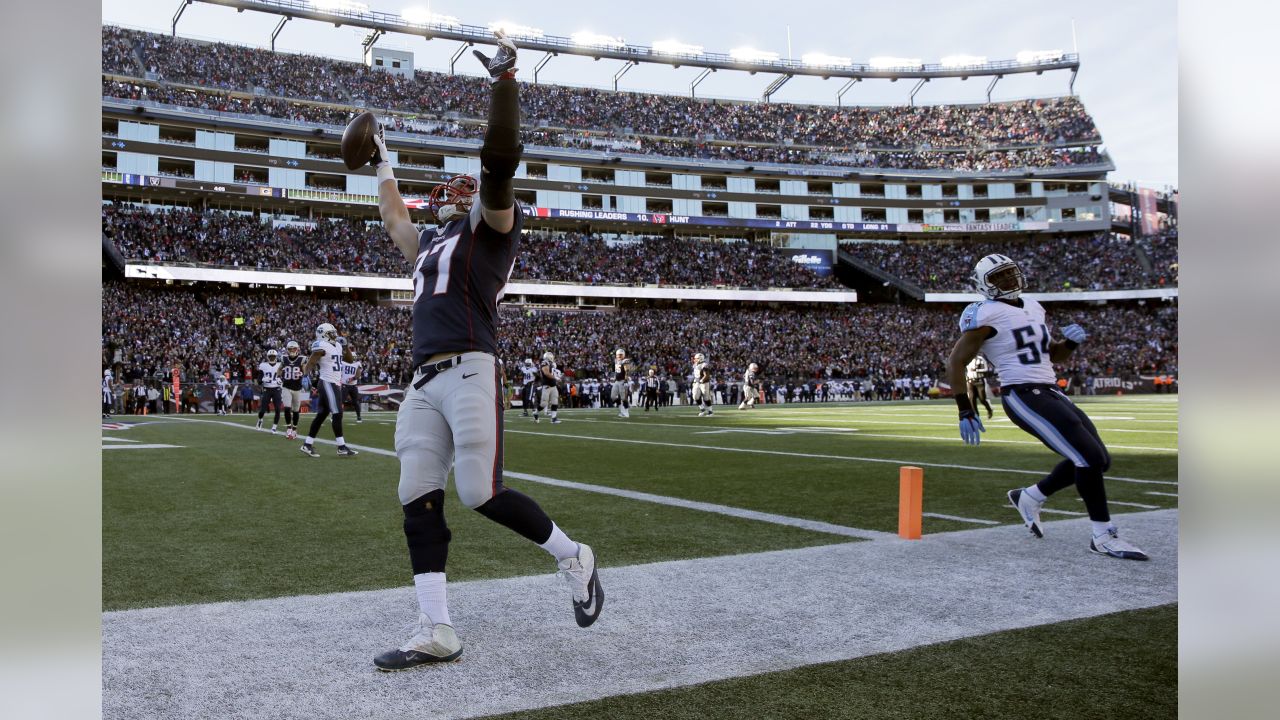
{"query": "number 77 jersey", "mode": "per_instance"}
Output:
(1019, 349)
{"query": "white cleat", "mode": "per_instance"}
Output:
(1028, 508)
(588, 594)
(702, 413)
(431, 644)
(742, 406)
(1110, 544)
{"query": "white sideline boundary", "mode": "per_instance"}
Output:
(664, 625)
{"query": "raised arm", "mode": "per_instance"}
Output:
(500, 154)
(395, 216)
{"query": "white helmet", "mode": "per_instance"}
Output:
(549, 356)
(325, 331)
(528, 362)
(342, 340)
(272, 355)
(753, 367)
(998, 277)
(652, 372)
(293, 348)
(619, 353)
(699, 358)
(106, 372)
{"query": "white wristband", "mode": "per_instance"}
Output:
(384, 173)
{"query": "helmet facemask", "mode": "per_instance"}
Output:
(452, 199)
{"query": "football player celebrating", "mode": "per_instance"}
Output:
(269, 378)
(750, 387)
(702, 385)
(976, 374)
(621, 387)
(550, 388)
(1012, 332)
(291, 377)
(327, 355)
(451, 415)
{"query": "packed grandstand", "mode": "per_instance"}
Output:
(208, 328)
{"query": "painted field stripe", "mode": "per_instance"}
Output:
(1144, 506)
(1053, 511)
(108, 438)
(803, 523)
(155, 446)
(975, 521)
(1162, 494)
(849, 458)
(310, 657)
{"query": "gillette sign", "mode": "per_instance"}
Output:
(819, 261)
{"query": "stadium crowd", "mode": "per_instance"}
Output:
(353, 246)
(1100, 261)
(991, 136)
(152, 328)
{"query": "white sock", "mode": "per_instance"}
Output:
(553, 414)
(431, 597)
(1034, 493)
(1101, 528)
(559, 544)
(341, 442)
(309, 441)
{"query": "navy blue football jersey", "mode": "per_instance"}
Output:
(458, 280)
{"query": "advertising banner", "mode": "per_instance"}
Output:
(819, 261)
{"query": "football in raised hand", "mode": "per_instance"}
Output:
(357, 140)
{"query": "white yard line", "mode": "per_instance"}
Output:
(1053, 511)
(820, 456)
(155, 446)
(956, 518)
(664, 625)
(108, 438)
(1162, 494)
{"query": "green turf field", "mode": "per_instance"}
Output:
(233, 514)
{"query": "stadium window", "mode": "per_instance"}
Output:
(660, 179)
(592, 202)
(982, 215)
(873, 215)
(768, 211)
(715, 209)
(598, 175)
(817, 187)
(915, 191)
(764, 185)
(108, 161)
(1022, 213)
(715, 182)
(1068, 213)
(395, 64)
(915, 216)
(821, 212)
(536, 170)
(950, 216)
(980, 191)
(657, 205)
(950, 191)
(377, 61)
(1021, 189)
(871, 190)
(527, 197)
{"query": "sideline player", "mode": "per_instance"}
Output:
(351, 381)
(1012, 331)
(528, 372)
(549, 394)
(975, 375)
(451, 414)
(221, 394)
(702, 385)
(291, 378)
(108, 399)
(327, 355)
(621, 386)
(269, 378)
(750, 387)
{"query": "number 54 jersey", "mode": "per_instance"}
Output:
(1020, 348)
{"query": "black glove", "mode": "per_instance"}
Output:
(502, 65)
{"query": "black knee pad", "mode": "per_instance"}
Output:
(426, 533)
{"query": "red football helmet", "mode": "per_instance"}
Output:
(453, 198)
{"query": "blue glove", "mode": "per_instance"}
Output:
(502, 65)
(971, 427)
(1074, 333)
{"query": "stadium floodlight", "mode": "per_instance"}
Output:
(515, 29)
(886, 62)
(1030, 57)
(339, 5)
(423, 16)
(954, 61)
(749, 54)
(590, 39)
(675, 47)
(823, 59)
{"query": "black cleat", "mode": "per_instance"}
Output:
(344, 451)
(308, 450)
(431, 644)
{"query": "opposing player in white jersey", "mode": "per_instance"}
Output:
(451, 416)
(108, 399)
(621, 384)
(702, 385)
(291, 378)
(269, 372)
(528, 375)
(549, 382)
(750, 387)
(327, 356)
(975, 376)
(1014, 335)
(351, 380)
(221, 394)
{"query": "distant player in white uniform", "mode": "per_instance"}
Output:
(702, 385)
(108, 399)
(750, 387)
(975, 376)
(327, 355)
(351, 380)
(221, 394)
(269, 372)
(621, 385)
(1012, 332)
(528, 375)
(291, 378)
(549, 381)
(451, 416)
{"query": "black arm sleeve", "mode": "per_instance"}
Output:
(500, 154)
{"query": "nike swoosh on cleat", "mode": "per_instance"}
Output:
(464, 377)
